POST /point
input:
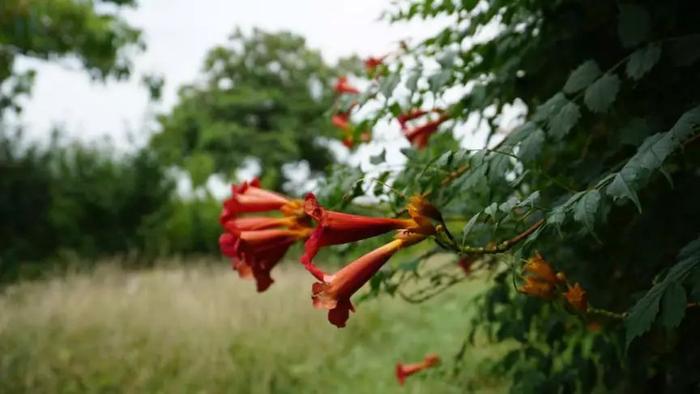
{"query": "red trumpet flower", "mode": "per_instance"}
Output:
(260, 223)
(341, 120)
(257, 252)
(249, 197)
(419, 135)
(342, 86)
(334, 291)
(405, 370)
(336, 228)
(371, 63)
(410, 115)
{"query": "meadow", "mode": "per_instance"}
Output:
(197, 328)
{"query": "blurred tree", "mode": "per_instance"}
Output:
(89, 31)
(264, 97)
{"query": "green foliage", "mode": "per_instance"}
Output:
(670, 290)
(92, 32)
(264, 96)
(559, 182)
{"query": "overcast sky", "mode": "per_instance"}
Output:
(178, 33)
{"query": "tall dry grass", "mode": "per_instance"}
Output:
(199, 329)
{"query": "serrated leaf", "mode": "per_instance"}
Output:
(531, 145)
(530, 200)
(642, 61)
(468, 227)
(673, 305)
(621, 188)
(634, 25)
(582, 76)
(644, 312)
(564, 120)
(686, 125)
(550, 107)
(447, 60)
(412, 80)
(438, 80)
(388, 84)
(491, 210)
(508, 205)
(602, 93)
(586, 209)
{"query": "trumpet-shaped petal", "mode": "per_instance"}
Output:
(259, 223)
(259, 251)
(419, 135)
(249, 197)
(415, 113)
(371, 64)
(341, 120)
(334, 291)
(536, 288)
(405, 370)
(576, 297)
(540, 269)
(343, 86)
(334, 228)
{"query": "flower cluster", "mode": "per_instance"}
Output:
(405, 370)
(256, 244)
(341, 119)
(541, 281)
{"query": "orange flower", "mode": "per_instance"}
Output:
(257, 252)
(334, 291)
(260, 223)
(419, 135)
(540, 269)
(410, 115)
(335, 228)
(342, 86)
(341, 120)
(577, 298)
(405, 370)
(371, 64)
(535, 288)
(249, 197)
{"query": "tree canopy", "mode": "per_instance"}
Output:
(263, 96)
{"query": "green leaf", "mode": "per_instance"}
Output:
(199, 166)
(582, 76)
(602, 93)
(643, 313)
(378, 159)
(379, 186)
(412, 80)
(642, 61)
(491, 210)
(564, 120)
(586, 208)
(531, 145)
(468, 227)
(438, 80)
(550, 108)
(447, 60)
(673, 305)
(621, 188)
(388, 84)
(634, 25)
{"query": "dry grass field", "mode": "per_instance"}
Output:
(199, 329)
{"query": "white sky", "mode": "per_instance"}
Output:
(178, 34)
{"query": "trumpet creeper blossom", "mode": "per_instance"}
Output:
(343, 86)
(257, 252)
(419, 135)
(335, 228)
(576, 297)
(249, 197)
(405, 370)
